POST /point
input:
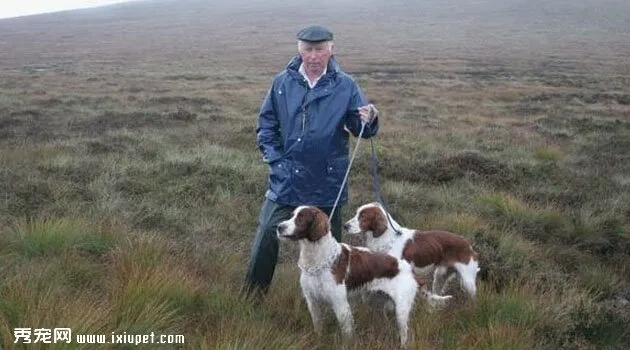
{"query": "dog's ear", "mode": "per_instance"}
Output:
(380, 225)
(319, 226)
(373, 219)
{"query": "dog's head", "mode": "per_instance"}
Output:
(307, 222)
(370, 217)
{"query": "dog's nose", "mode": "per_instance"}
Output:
(346, 226)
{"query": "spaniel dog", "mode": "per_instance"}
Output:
(330, 271)
(444, 251)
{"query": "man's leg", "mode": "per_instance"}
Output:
(264, 252)
(335, 222)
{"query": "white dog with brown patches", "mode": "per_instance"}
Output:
(444, 251)
(331, 270)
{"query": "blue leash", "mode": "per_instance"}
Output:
(377, 191)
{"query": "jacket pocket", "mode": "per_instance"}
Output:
(279, 174)
(335, 171)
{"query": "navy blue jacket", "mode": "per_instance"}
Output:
(302, 135)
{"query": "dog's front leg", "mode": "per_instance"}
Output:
(315, 309)
(342, 310)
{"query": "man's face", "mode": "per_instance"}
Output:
(315, 56)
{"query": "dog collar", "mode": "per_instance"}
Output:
(327, 263)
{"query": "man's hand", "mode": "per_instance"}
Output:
(368, 113)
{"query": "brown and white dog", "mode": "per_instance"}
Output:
(445, 251)
(330, 271)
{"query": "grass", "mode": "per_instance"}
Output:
(130, 180)
(47, 237)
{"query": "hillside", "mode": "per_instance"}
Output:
(130, 181)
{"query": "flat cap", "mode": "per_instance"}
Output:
(314, 33)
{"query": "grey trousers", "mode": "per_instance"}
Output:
(264, 252)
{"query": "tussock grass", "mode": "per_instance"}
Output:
(503, 320)
(508, 213)
(238, 336)
(466, 224)
(54, 236)
(548, 153)
(32, 296)
(599, 280)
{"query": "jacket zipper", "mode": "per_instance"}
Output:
(304, 110)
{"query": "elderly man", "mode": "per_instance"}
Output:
(303, 132)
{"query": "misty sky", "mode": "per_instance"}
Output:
(15, 8)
